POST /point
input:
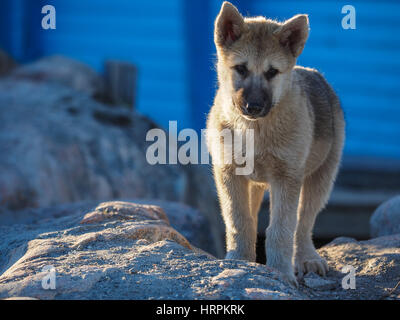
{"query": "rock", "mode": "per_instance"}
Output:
(65, 71)
(227, 277)
(376, 263)
(123, 250)
(126, 250)
(314, 281)
(59, 146)
(265, 294)
(191, 223)
(62, 153)
(386, 218)
(7, 64)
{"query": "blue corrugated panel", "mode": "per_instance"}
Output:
(12, 15)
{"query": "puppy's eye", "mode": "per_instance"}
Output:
(272, 72)
(242, 70)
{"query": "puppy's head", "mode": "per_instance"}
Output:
(255, 58)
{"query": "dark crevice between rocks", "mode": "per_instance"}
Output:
(118, 120)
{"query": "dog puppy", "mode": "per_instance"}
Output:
(299, 133)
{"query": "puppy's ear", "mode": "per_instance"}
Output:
(228, 25)
(293, 33)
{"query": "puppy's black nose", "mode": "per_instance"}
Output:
(253, 108)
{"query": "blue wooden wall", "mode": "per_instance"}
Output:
(171, 42)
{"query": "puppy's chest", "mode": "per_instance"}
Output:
(264, 160)
(261, 172)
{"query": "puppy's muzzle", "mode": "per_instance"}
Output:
(256, 110)
(253, 109)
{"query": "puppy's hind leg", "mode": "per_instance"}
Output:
(313, 197)
(256, 198)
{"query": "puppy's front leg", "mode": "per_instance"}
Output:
(284, 197)
(241, 228)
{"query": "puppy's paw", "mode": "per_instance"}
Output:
(290, 279)
(311, 263)
(237, 255)
(283, 263)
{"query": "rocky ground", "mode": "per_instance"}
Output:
(125, 250)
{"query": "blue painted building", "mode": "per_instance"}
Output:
(171, 42)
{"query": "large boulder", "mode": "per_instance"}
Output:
(58, 145)
(189, 222)
(65, 71)
(123, 250)
(386, 218)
